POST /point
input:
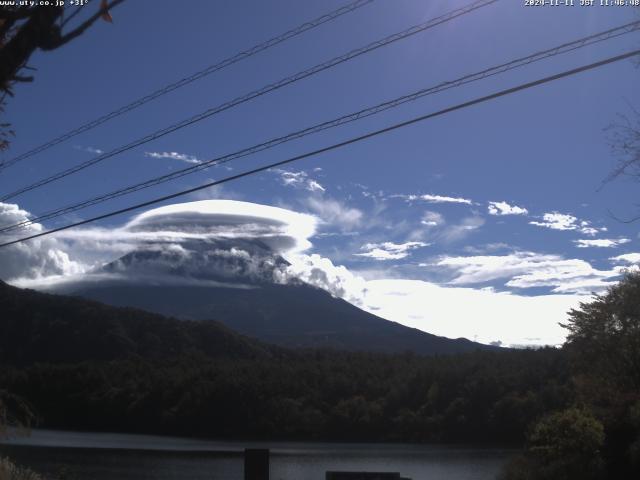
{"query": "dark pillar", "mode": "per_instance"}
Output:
(256, 464)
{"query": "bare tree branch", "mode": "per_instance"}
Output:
(620, 220)
(56, 43)
(624, 140)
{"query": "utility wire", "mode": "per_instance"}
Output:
(189, 79)
(257, 93)
(336, 146)
(381, 107)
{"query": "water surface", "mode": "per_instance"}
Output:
(111, 456)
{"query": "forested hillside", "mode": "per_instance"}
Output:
(39, 327)
(85, 365)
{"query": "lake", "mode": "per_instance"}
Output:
(110, 456)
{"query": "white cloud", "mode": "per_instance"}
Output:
(557, 221)
(602, 242)
(314, 186)
(591, 230)
(441, 199)
(94, 150)
(460, 231)
(389, 250)
(476, 313)
(322, 273)
(630, 258)
(299, 180)
(35, 258)
(432, 219)
(471, 313)
(488, 247)
(529, 270)
(503, 208)
(334, 213)
(214, 192)
(182, 157)
(578, 277)
(561, 221)
(454, 312)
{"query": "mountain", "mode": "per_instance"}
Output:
(236, 282)
(39, 327)
(294, 316)
(81, 365)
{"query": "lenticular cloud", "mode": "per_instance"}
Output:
(282, 230)
(181, 240)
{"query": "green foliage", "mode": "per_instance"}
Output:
(306, 395)
(9, 471)
(563, 445)
(604, 336)
(603, 439)
(571, 432)
(604, 350)
(567, 445)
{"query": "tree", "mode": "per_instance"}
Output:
(25, 29)
(604, 335)
(13, 412)
(568, 441)
(604, 348)
(563, 445)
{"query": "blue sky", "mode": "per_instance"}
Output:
(499, 200)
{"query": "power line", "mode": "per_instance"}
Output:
(272, 42)
(257, 93)
(336, 146)
(381, 107)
